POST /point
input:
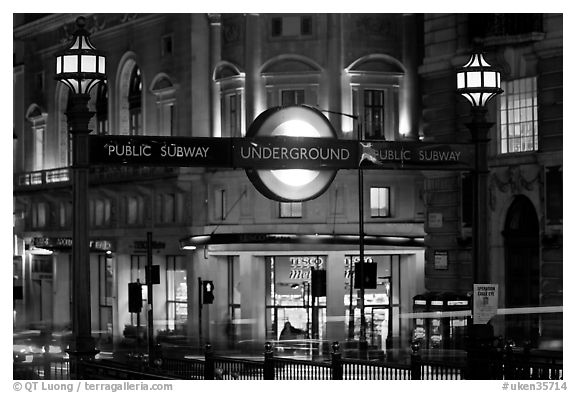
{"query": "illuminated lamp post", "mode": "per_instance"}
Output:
(478, 81)
(80, 67)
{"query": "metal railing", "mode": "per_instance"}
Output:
(496, 364)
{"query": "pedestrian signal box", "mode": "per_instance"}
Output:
(207, 292)
(134, 297)
(370, 270)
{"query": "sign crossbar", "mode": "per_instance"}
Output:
(278, 153)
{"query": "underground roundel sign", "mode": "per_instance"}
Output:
(292, 185)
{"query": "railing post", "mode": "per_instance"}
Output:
(415, 362)
(46, 364)
(208, 362)
(337, 371)
(268, 362)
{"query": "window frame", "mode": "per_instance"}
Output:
(293, 209)
(512, 95)
(379, 208)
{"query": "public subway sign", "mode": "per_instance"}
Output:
(159, 150)
(277, 153)
(289, 153)
(415, 155)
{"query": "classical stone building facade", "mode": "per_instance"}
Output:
(211, 75)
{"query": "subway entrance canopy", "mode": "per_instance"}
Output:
(289, 153)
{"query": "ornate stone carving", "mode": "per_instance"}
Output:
(514, 182)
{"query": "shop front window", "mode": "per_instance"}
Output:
(290, 300)
(381, 304)
(177, 297)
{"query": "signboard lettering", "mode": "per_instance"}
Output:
(63, 243)
(155, 150)
(289, 152)
(377, 154)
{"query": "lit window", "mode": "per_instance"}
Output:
(232, 114)
(39, 148)
(379, 201)
(177, 293)
(519, 116)
(290, 209)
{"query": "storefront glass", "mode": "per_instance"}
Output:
(381, 304)
(290, 297)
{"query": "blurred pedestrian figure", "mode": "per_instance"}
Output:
(290, 332)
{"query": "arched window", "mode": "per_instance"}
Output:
(165, 92)
(375, 82)
(102, 127)
(291, 80)
(37, 117)
(135, 101)
(230, 81)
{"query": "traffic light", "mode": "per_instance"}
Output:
(318, 283)
(369, 275)
(134, 297)
(207, 292)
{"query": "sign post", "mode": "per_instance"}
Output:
(485, 303)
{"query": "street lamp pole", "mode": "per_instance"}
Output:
(478, 82)
(80, 67)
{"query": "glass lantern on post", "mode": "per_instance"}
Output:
(80, 67)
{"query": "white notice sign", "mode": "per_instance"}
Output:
(485, 302)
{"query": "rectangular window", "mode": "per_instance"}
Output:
(231, 108)
(519, 116)
(167, 208)
(39, 148)
(374, 114)
(39, 215)
(379, 202)
(177, 293)
(290, 209)
(291, 26)
(65, 216)
(554, 198)
(292, 97)
(167, 46)
(134, 210)
(100, 212)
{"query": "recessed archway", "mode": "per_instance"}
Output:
(522, 271)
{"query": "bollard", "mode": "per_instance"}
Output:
(208, 362)
(337, 370)
(415, 361)
(268, 362)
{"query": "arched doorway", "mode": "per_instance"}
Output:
(522, 282)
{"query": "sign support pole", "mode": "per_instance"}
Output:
(150, 288)
(200, 312)
(361, 246)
